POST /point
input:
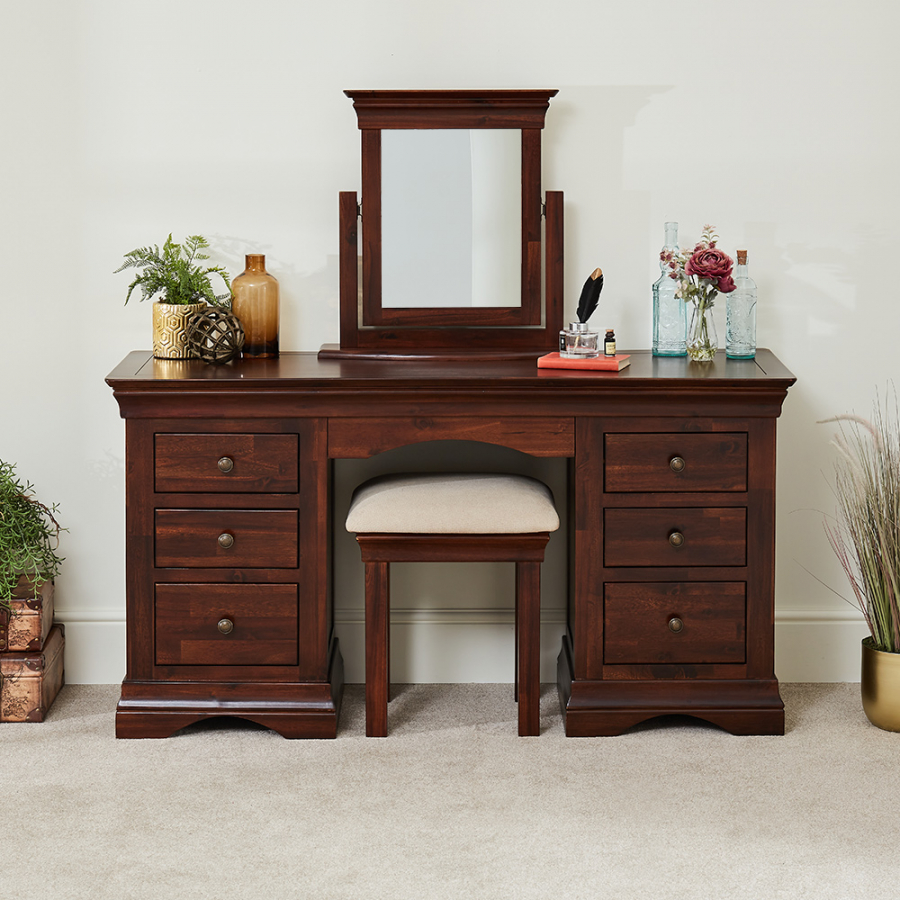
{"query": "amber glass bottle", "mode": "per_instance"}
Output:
(255, 303)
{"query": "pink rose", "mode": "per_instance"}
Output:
(726, 285)
(713, 265)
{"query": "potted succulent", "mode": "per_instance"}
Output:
(176, 275)
(866, 538)
(29, 538)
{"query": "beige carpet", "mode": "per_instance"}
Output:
(452, 805)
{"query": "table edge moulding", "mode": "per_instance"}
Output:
(670, 520)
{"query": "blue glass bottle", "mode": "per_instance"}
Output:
(740, 313)
(669, 311)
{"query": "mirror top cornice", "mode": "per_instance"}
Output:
(451, 109)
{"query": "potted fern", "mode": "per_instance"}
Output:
(177, 276)
(865, 536)
(29, 539)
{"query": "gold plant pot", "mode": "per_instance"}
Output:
(170, 321)
(881, 686)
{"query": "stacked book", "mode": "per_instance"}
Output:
(597, 363)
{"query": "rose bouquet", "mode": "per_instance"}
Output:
(701, 274)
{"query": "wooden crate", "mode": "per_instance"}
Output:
(32, 618)
(29, 682)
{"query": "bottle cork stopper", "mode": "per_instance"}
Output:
(742, 257)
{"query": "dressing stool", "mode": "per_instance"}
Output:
(453, 518)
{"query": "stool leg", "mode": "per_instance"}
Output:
(528, 640)
(378, 607)
(516, 633)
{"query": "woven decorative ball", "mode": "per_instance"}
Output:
(215, 335)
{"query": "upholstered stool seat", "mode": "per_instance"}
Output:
(453, 518)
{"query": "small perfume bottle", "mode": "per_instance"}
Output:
(577, 341)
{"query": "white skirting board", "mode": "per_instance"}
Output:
(476, 645)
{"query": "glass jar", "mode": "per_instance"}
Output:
(577, 341)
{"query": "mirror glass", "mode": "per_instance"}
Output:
(451, 212)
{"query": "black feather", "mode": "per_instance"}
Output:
(590, 295)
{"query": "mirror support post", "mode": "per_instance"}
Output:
(348, 267)
(553, 266)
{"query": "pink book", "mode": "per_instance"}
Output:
(603, 363)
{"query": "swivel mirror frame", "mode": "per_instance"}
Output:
(368, 329)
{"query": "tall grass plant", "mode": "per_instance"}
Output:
(865, 534)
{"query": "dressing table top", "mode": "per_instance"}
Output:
(139, 368)
(665, 386)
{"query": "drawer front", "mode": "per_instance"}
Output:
(675, 537)
(227, 538)
(236, 463)
(676, 462)
(355, 438)
(226, 624)
(674, 623)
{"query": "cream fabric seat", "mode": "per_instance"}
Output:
(459, 517)
(452, 504)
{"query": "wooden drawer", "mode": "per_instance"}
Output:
(263, 624)
(355, 438)
(227, 538)
(257, 463)
(675, 537)
(675, 462)
(674, 623)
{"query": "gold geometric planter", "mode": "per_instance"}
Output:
(170, 329)
(880, 686)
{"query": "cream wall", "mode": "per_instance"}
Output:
(775, 120)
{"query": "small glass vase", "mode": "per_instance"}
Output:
(702, 339)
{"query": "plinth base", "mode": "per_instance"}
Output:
(157, 709)
(604, 708)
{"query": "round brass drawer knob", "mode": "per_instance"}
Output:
(676, 625)
(676, 539)
(676, 464)
(226, 626)
(226, 464)
(226, 540)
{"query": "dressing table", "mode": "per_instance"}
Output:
(670, 501)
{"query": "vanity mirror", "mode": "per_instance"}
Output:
(456, 260)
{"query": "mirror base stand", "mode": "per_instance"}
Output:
(473, 344)
(335, 351)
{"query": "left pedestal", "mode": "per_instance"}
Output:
(228, 557)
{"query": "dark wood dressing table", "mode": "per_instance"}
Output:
(671, 503)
